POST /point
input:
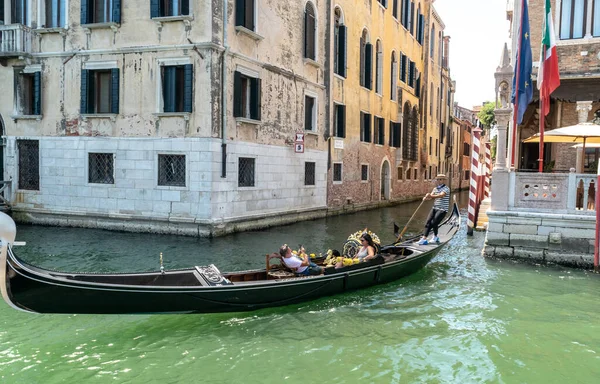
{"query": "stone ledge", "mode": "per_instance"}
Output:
(530, 241)
(521, 229)
(530, 254)
(497, 238)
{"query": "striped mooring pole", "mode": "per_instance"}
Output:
(488, 168)
(473, 184)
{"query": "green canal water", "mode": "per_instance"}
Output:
(462, 319)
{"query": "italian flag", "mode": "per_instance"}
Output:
(548, 76)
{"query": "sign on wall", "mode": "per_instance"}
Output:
(299, 142)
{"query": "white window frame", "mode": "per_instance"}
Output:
(341, 173)
(27, 70)
(87, 167)
(41, 19)
(314, 6)
(315, 112)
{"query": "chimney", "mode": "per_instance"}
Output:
(446, 60)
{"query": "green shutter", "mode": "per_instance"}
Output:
(83, 107)
(169, 75)
(342, 120)
(84, 12)
(114, 90)
(116, 11)
(237, 94)
(343, 47)
(37, 93)
(154, 8)
(185, 7)
(240, 11)
(369, 66)
(188, 79)
(255, 95)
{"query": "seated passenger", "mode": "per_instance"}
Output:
(366, 252)
(300, 264)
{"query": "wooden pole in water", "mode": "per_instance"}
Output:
(596, 202)
(473, 192)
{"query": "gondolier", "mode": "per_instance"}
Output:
(441, 195)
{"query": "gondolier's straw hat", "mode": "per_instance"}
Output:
(440, 176)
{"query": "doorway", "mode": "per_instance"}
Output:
(385, 181)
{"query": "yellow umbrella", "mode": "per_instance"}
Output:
(580, 133)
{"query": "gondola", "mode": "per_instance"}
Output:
(199, 289)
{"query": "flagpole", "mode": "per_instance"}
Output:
(542, 117)
(516, 103)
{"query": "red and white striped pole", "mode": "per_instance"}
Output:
(488, 168)
(473, 186)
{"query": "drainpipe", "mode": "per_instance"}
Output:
(224, 95)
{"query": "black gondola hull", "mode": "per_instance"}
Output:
(33, 289)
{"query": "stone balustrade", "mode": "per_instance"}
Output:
(550, 218)
(16, 40)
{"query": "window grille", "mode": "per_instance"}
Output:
(101, 168)
(171, 170)
(29, 165)
(309, 173)
(337, 172)
(364, 172)
(246, 172)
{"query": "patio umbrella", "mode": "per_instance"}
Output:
(580, 133)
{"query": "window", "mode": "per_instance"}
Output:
(246, 172)
(337, 172)
(340, 44)
(19, 11)
(400, 173)
(364, 172)
(467, 175)
(411, 74)
(405, 11)
(418, 84)
(366, 61)
(572, 19)
(100, 91)
(395, 8)
(166, 8)
(411, 18)
(432, 41)
(101, 168)
(244, 14)
(28, 98)
(408, 174)
(437, 147)
(395, 134)
(420, 26)
(403, 59)
(596, 19)
(340, 120)
(466, 149)
(171, 170)
(100, 11)
(379, 69)
(415, 174)
(430, 175)
(310, 113)
(365, 127)
(379, 126)
(310, 32)
(383, 3)
(29, 164)
(55, 12)
(309, 173)
(394, 75)
(430, 144)
(177, 86)
(431, 100)
(246, 98)
(410, 138)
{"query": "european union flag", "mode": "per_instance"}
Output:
(523, 69)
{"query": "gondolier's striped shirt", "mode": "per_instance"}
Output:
(443, 203)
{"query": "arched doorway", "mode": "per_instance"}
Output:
(385, 180)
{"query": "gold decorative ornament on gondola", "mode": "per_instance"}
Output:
(353, 243)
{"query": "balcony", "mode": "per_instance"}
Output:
(16, 40)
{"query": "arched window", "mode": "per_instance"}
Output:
(394, 76)
(408, 153)
(411, 18)
(339, 40)
(310, 32)
(432, 41)
(366, 61)
(414, 137)
(379, 68)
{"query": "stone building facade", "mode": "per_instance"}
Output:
(210, 116)
(550, 217)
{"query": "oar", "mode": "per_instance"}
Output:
(409, 220)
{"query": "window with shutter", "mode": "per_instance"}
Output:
(369, 66)
(340, 120)
(403, 67)
(365, 127)
(100, 91)
(309, 113)
(27, 97)
(244, 14)
(310, 29)
(246, 96)
(169, 8)
(54, 13)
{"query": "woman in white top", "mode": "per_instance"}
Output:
(366, 252)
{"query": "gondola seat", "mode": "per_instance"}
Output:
(278, 271)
